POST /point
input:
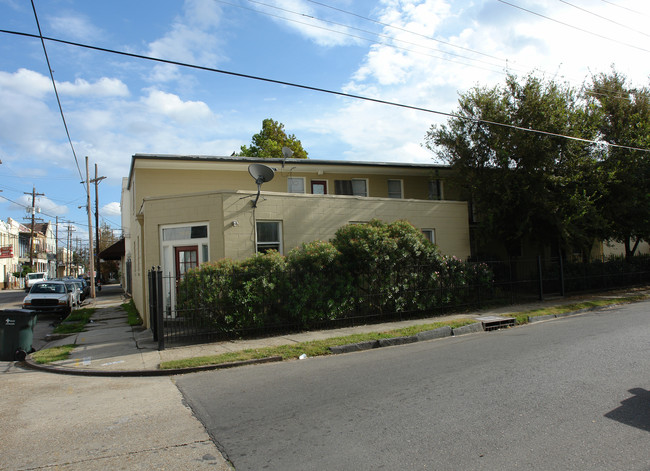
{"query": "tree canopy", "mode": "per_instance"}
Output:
(268, 143)
(524, 185)
(624, 118)
(543, 187)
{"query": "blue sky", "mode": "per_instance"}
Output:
(415, 52)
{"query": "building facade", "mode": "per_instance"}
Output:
(181, 211)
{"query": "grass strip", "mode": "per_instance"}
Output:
(52, 354)
(523, 316)
(75, 322)
(311, 348)
(132, 313)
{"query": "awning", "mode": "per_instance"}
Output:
(114, 252)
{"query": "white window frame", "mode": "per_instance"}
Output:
(258, 244)
(430, 234)
(291, 181)
(401, 188)
(365, 182)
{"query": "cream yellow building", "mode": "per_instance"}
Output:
(181, 211)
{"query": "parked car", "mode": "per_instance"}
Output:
(50, 297)
(85, 288)
(75, 291)
(32, 278)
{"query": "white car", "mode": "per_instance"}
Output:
(50, 297)
(32, 278)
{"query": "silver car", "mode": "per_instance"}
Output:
(50, 297)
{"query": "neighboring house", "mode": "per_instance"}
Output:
(8, 254)
(181, 211)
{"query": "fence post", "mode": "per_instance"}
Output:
(541, 281)
(561, 276)
(159, 311)
(153, 317)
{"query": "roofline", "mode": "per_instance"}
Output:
(208, 158)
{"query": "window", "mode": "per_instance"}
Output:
(435, 190)
(319, 187)
(185, 233)
(395, 188)
(296, 185)
(269, 236)
(356, 187)
(430, 234)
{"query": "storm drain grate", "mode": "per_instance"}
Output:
(496, 322)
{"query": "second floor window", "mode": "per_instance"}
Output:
(435, 190)
(395, 188)
(356, 187)
(296, 185)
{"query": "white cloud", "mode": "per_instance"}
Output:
(172, 106)
(111, 210)
(322, 28)
(104, 87)
(193, 39)
(26, 83)
(44, 207)
(75, 26)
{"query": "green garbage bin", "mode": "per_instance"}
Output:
(16, 333)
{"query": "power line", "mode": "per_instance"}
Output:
(56, 92)
(574, 27)
(604, 18)
(508, 63)
(624, 8)
(324, 90)
(370, 32)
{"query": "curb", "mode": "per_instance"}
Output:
(141, 373)
(438, 333)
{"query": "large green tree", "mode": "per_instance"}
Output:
(624, 120)
(268, 143)
(525, 186)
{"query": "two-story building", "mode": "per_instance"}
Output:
(9, 254)
(181, 211)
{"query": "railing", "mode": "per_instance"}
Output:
(261, 305)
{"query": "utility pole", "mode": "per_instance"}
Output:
(31, 235)
(96, 181)
(90, 233)
(56, 249)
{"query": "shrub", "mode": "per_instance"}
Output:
(321, 288)
(367, 269)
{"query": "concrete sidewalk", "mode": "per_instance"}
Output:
(110, 347)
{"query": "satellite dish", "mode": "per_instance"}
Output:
(287, 153)
(261, 174)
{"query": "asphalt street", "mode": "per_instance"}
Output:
(571, 393)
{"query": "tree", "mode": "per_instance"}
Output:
(524, 185)
(268, 143)
(107, 238)
(624, 119)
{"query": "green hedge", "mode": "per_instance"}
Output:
(371, 269)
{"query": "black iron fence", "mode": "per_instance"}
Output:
(256, 304)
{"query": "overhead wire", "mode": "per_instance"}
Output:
(622, 7)
(604, 18)
(56, 92)
(574, 27)
(324, 90)
(312, 25)
(508, 63)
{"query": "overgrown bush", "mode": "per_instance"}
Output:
(371, 269)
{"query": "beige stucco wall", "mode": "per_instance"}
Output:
(304, 218)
